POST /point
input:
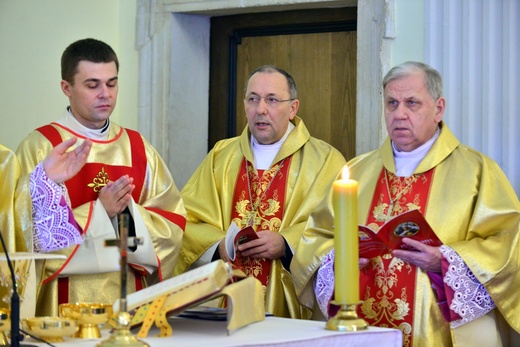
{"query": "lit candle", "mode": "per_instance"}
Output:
(346, 268)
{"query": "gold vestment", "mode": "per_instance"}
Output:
(157, 201)
(15, 208)
(15, 213)
(208, 197)
(471, 207)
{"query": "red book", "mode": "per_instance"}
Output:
(390, 236)
(236, 236)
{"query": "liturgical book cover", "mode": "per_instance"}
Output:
(390, 236)
(235, 236)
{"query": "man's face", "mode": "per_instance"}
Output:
(267, 123)
(411, 115)
(93, 95)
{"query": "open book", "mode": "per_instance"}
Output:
(244, 297)
(235, 236)
(390, 236)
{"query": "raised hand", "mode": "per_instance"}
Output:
(61, 165)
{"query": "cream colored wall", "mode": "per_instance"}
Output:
(34, 33)
(409, 31)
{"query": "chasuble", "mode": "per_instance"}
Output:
(91, 271)
(14, 222)
(299, 177)
(472, 208)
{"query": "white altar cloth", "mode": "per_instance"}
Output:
(273, 331)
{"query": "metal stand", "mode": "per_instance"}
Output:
(346, 319)
(122, 336)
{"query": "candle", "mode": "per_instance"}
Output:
(346, 264)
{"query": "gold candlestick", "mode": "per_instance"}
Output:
(122, 336)
(346, 319)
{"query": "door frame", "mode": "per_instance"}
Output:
(162, 27)
(239, 34)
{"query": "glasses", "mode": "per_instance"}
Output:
(271, 101)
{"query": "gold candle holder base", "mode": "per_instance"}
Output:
(346, 319)
(122, 336)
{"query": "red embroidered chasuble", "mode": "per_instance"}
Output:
(259, 200)
(387, 284)
(85, 186)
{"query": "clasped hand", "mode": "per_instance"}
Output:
(116, 195)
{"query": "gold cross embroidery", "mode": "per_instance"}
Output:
(251, 219)
(99, 181)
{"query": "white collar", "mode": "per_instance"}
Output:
(407, 162)
(68, 120)
(265, 154)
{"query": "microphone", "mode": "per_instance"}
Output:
(16, 337)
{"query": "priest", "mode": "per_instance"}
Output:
(270, 177)
(460, 293)
(123, 173)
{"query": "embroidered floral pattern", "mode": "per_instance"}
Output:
(324, 283)
(471, 299)
(260, 210)
(54, 225)
(257, 203)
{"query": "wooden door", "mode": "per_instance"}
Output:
(318, 48)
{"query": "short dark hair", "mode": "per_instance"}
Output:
(86, 49)
(293, 94)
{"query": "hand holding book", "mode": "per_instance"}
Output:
(236, 236)
(411, 224)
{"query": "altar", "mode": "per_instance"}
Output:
(273, 331)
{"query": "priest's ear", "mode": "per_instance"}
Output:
(66, 87)
(440, 106)
(295, 104)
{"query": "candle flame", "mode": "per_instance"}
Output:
(345, 173)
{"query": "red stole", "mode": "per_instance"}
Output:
(387, 284)
(259, 197)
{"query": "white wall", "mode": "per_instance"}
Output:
(33, 34)
(475, 46)
(409, 31)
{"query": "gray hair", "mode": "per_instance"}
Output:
(433, 78)
(293, 94)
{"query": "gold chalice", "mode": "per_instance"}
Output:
(5, 325)
(50, 329)
(88, 316)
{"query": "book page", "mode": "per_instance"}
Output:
(197, 283)
(370, 245)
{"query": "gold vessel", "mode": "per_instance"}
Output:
(50, 329)
(89, 317)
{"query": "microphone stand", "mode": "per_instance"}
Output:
(16, 337)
